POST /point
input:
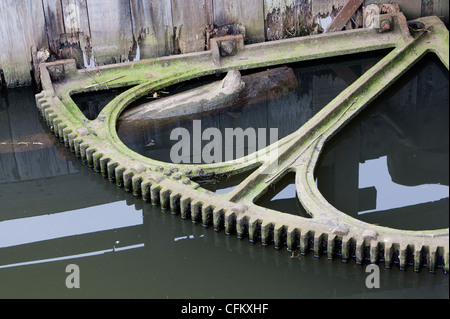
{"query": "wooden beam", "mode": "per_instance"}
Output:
(344, 15)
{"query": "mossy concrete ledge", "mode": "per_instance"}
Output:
(329, 232)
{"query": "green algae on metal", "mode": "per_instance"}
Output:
(97, 143)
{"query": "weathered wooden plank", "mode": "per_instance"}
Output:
(75, 43)
(76, 18)
(110, 28)
(54, 24)
(189, 21)
(249, 13)
(326, 7)
(288, 18)
(22, 31)
(344, 15)
(153, 27)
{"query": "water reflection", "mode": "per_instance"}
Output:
(223, 184)
(71, 223)
(128, 249)
(317, 85)
(283, 197)
(390, 165)
(91, 104)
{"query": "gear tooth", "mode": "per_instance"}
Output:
(279, 236)
(47, 113)
(96, 161)
(111, 169)
(218, 219)
(66, 132)
(207, 213)
(175, 203)
(266, 233)
(185, 207)
(254, 229)
(90, 156)
(104, 167)
(446, 261)
(403, 256)
(71, 140)
(83, 151)
(61, 128)
(119, 175)
(305, 242)
(127, 179)
(164, 198)
(55, 120)
(359, 251)
(76, 146)
(230, 222)
(374, 251)
(388, 254)
(241, 226)
(51, 121)
(348, 247)
(331, 247)
(320, 240)
(196, 211)
(136, 185)
(418, 258)
(292, 238)
(432, 260)
(39, 97)
(145, 190)
(154, 194)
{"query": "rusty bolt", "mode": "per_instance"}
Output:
(385, 26)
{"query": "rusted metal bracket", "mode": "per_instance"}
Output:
(226, 46)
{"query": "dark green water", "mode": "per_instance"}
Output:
(54, 211)
(390, 165)
(316, 84)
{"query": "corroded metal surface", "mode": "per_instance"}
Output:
(171, 187)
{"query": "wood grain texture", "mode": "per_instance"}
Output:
(249, 13)
(153, 27)
(22, 32)
(110, 27)
(189, 21)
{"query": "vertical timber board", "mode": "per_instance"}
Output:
(189, 21)
(438, 8)
(288, 18)
(54, 24)
(273, 18)
(153, 27)
(110, 28)
(326, 7)
(76, 19)
(77, 34)
(249, 13)
(22, 31)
